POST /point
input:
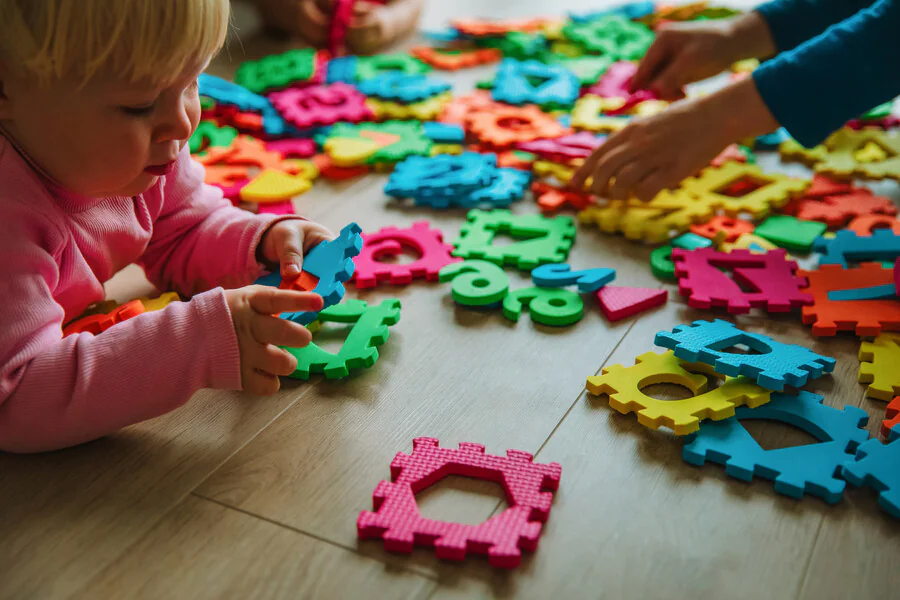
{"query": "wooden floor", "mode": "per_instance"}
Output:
(235, 496)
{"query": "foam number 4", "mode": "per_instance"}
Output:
(548, 306)
(555, 275)
(476, 282)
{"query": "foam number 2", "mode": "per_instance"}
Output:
(559, 275)
(476, 282)
(547, 306)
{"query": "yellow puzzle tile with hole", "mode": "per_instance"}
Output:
(588, 115)
(776, 191)
(840, 155)
(625, 384)
(880, 366)
(422, 111)
(751, 242)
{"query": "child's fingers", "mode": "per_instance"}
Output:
(270, 301)
(279, 332)
(288, 244)
(260, 382)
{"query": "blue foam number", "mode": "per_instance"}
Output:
(810, 469)
(560, 275)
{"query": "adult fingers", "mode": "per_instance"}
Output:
(658, 56)
(607, 169)
(630, 175)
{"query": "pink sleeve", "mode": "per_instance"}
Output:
(200, 240)
(57, 392)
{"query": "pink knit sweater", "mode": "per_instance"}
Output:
(56, 251)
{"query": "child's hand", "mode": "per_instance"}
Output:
(687, 52)
(259, 333)
(285, 243)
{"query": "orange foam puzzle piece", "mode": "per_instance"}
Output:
(864, 317)
(506, 125)
(454, 60)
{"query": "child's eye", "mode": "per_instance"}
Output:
(138, 111)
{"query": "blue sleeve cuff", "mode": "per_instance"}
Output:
(793, 22)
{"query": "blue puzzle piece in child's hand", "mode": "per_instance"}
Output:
(397, 86)
(556, 85)
(442, 176)
(332, 262)
(561, 275)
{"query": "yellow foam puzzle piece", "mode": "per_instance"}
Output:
(350, 152)
(751, 242)
(838, 155)
(274, 186)
(624, 385)
(776, 191)
(303, 168)
(160, 302)
(607, 217)
(446, 149)
(425, 110)
(587, 114)
(880, 366)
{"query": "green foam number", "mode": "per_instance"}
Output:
(370, 329)
(539, 239)
(661, 263)
(476, 282)
(548, 306)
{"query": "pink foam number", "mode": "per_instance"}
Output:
(616, 83)
(428, 244)
(292, 147)
(276, 208)
(576, 145)
(321, 105)
(397, 521)
(770, 274)
(618, 302)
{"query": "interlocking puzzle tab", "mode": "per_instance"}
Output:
(396, 519)
(624, 386)
(432, 255)
(864, 317)
(880, 366)
(811, 469)
(876, 467)
(359, 351)
(554, 86)
(774, 366)
(540, 239)
(770, 274)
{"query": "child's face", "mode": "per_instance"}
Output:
(107, 138)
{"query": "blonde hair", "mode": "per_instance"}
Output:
(151, 40)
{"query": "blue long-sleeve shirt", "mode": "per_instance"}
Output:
(837, 59)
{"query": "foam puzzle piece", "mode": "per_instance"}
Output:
(550, 198)
(432, 255)
(369, 67)
(272, 186)
(401, 87)
(618, 302)
(557, 86)
(555, 307)
(838, 210)
(561, 275)
(159, 302)
(321, 105)
(810, 469)
(359, 350)
(846, 247)
(838, 156)
(423, 110)
(624, 386)
(616, 83)
(441, 177)
(723, 229)
(587, 69)
(876, 467)
(276, 71)
(654, 222)
(866, 225)
(567, 147)
(691, 241)
(540, 239)
(771, 190)
(611, 35)
(770, 274)
(373, 143)
(209, 133)
(520, 45)
(331, 262)
(775, 366)
(503, 126)
(292, 147)
(661, 263)
(880, 366)
(789, 232)
(631, 10)
(890, 427)
(453, 60)
(733, 152)
(397, 521)
(751, 242)
(864, 317)
(444, 133)
(588, 115)
(98, 323)
(341, 69)
(228, 93)
(508, 186)
(476, 282)
(492, 28)
(878, 292)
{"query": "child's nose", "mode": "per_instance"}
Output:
(176, 126)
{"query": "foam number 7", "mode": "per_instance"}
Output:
(476, 282)
(560, 275)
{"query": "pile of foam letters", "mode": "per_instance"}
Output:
(562, 85)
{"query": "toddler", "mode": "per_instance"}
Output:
(832, 61)
(97, 101)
